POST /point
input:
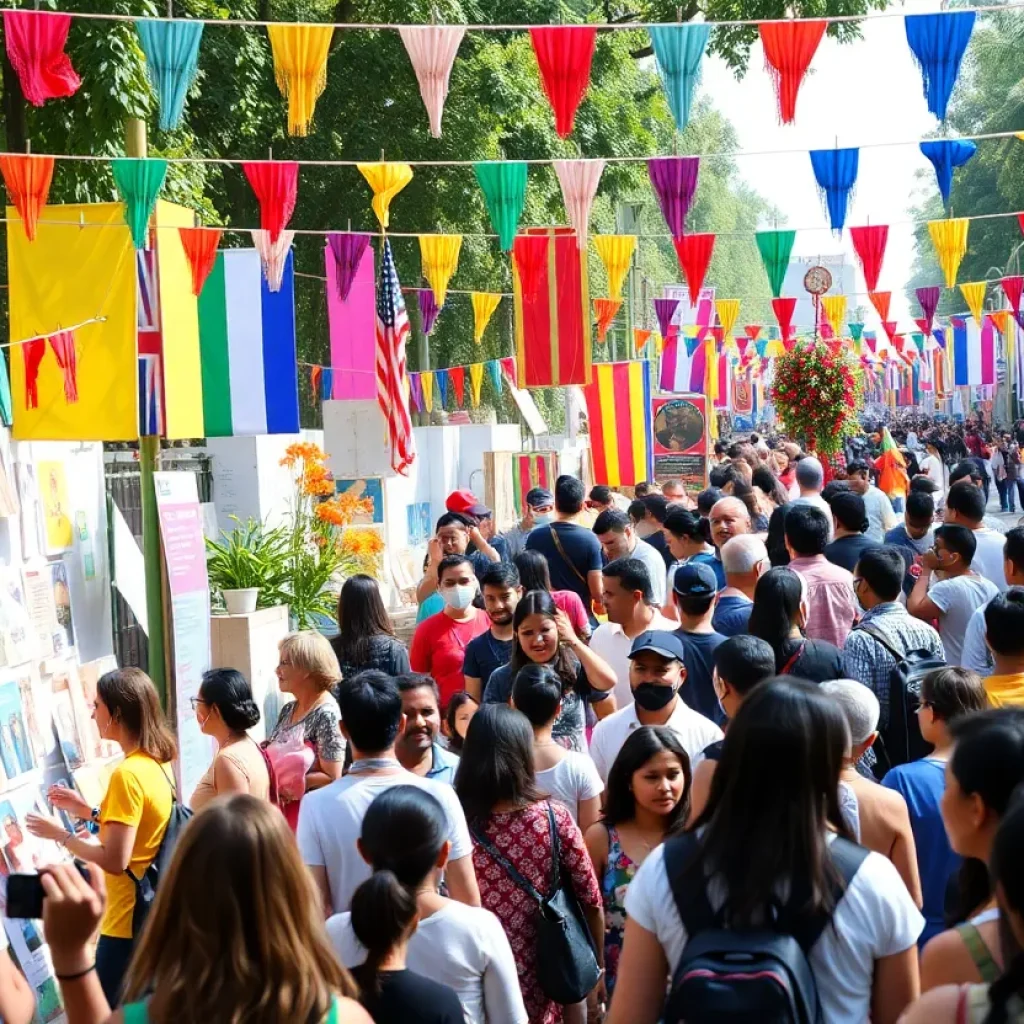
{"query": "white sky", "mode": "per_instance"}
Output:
(866, 91)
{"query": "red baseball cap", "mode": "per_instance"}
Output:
(465, 503)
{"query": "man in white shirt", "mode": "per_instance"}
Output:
(331, 818)
(629, 602)
(965, 506)
(976, 655)
(881, 516)
(615, 531)
(656, 674)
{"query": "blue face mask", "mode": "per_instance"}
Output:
(544, 519)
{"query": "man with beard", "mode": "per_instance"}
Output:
(416, 747)
(501, 592)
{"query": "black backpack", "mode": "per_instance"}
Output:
(899, 735)
(727, 976)
(146, 886)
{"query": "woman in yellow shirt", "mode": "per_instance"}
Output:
(132, 816)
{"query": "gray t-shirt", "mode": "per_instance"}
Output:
(958, 599)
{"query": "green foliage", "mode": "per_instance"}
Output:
(250, 556)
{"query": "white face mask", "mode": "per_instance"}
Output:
(459, 598)
(543, 518)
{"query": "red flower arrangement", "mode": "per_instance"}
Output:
(817, 394)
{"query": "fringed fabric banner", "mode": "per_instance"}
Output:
(678, 51)
(665, 310)
(605, 311)
(476, 379)
(441, 380)
(508, 368)
(529, 259)
(63, 345)
(869, 244)
(728, 311)
(641, 335)
(553, 323)
(835, 312)
(427, 387)
(273, 255)
(35, 47)
(415, 392)
(28, 180)
(950, 240)
(138, 184)
(789, 48)
(579, 180)
(504, 187)
(386, 180)
(835, 170)
(783, 308)
(619, 416)
(974, 296)
(881, 301)
(928, 297)
(200, 245)
(351, 319)
(428, 309)
(615, 251)
(172, 63)
(440, 258)
(563, 56)
(945, 156)
(432, 50)
(694, 254)
(276, 184)
(457, 376)
(484, 305)
(493, 369)
(938, 42)
(674, 179)
(775, 248)
(1012, 288)
(347, 250)
(300, 69)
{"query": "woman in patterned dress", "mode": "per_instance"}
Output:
(647, 800)
(495, 783)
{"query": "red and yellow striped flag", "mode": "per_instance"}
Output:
(619, 414)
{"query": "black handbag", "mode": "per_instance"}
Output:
(567, 968)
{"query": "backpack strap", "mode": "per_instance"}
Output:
(879, 639)
(979, 952)
(682, 858)
(333, 1014)
(135, 1013)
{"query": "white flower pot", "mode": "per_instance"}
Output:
(241, 602)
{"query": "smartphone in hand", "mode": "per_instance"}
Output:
(25, 895)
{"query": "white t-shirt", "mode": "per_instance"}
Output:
(976, 655)
(462, 947)
(573, 779)
(818, 502)
(655, 565)
(988, 557)
(958, 599)
(614, 646)
(932, 467)
(331, 820)
(875, 918)
(695, 732)
(880, 514)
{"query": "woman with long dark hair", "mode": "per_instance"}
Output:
(647, 800)
(534, 574)
(365, 637)
(985, 767)
(771, 817)
(404, 839)
(506, 812)
(770, 485)
(778, 617)
(544, 636)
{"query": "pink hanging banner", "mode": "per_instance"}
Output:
(353, 344)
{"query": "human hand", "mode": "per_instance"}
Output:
(566, 632)
(477, 537)
(43, 827)
(72, 910)
(434, 551)
(930, 560)
(68, 800)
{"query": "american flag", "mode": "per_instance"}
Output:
(392, 382)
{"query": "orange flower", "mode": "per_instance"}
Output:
(362, 542)
(303, 452)
(329, 512)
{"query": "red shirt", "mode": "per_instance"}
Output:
(439, 648)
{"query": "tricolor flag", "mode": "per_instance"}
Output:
(619, 414)
(974, 354)
(392, 330)
(247, 349)
(532, 469)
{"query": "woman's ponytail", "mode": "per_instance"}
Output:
(383, 910)
(1003, 989)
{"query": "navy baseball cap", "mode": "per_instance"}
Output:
(539, 497)
(668, 645)
(695, 579)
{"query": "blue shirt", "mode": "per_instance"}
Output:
(910, 549)
(732, 615)
(583, 551)
(443, 764)
(921, 783)
(484, 654)
(698, 690)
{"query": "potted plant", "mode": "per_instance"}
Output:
(247, 567)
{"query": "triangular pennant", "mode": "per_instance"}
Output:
(441, 380)
(273, 256)
(427, 382)
(1001, 318)
(928, 297)
(457, 376)
(476, 377)
(728, 311)
(428, 309)
(504, 187)
(1012, 288)
(950, 240)
(416, 391)
(665, 310)
(616, 252)
(946, 155)
(890, 328)
(172, 63)
(300, 69)
(775, 248)
(484, 305)
(138, 183)
(439, 255)
(881, 301)
(856, 330)
(752, 331)
(493, 368)
(835, 171)
(674, 179)
(640, 338)
(923, 325)
(783, 309)
(974, 294)
(327, 384)
(605, 310)
(564, 53)
(200, 245)
(315, 373)
(63, 345)
(789, 47)
(938, 42)
(694, 254)
(386, 180)
(579, 180)
(28, 180)
(869, 244)
(508, 367)
(276, 184)
(678, 51)
(347, 248)
(432, 50)
(835, 311)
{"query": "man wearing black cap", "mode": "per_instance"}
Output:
(657, 676)
(694, 591)
(538, 511)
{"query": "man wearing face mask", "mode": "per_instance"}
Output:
(438, 646)
(656, 675)
(539, 511)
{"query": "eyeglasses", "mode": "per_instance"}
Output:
(195, 702)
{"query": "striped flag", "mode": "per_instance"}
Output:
(619, 416)
(392, 329)
(533, 469)
(974, 361)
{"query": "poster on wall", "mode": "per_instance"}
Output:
(42, 612)
(370, 488)
(16, 757)
(17, 640)
(64, 637)
(97, 748)
(181, 533)
(680, 429)
(53, 493)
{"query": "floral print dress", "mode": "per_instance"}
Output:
(524, 837)
(617, 876)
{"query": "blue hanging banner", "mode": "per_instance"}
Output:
(172, 60)
(946, 155)
(441, 380)
(494, 373)
(938, 42)
(678, 51)
(836, 173)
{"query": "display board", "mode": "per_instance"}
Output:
(679, 428)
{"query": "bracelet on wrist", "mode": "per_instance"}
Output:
(75, 977)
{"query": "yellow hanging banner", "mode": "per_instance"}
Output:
(950, 240)
(476, 379)
(427, 380)
(440, 257)
(484, 305)
(728, 311)
(615, 251)
(974, 294)
(300, 68)
(835, 312)
(386, 180)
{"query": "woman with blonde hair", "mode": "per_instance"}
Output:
(306, 746)
(132, 816)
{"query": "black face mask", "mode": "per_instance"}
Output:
(652, 697)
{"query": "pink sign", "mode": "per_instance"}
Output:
(353, 345)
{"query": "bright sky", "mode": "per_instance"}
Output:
(867, 91)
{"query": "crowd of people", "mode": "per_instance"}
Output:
(748, 753)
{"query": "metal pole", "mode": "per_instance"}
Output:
(149, 455)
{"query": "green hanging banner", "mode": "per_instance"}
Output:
(138, 183)
(856, 330)
(775, 248)
(504, 187)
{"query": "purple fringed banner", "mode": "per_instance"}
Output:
(929, 299)
(665, 310)
(674, 179)
(416, 391)
(428, 309)
(347, 250)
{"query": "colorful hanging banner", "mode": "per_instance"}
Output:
(605, 311)
(950, 240)
(504, 187)
(386, 180)
(300, 69)
(694, 254)
(564, 53)
(439, 255)
(938, 42)
(172, 63)
(835, 170)
(619, 415)
(484, 305)
(615, 251)
(789, 47)
(775, 248)
(974, 296)
(678, 51)
(352, 324)
(432, 50)
(579, 180)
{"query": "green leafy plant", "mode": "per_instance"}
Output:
(252, 555)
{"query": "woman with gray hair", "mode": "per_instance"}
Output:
(883, 816)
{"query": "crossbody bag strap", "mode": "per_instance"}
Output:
(794, 658)
(174, 800)
(879, 639)
(565, 557)
(524, 883)
(681, 856)
(556, 851)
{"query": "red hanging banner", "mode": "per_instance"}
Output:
(200, 245)
(28, 181)
(1012, 287)
(605, 310)
(457, 375)
(35, 45)
(789, 47)
(529, 257)
(783, 309)
(63, 345)
(276, 184)
(869, 244)
(563, 56)
(694, 253)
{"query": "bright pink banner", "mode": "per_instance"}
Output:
(353, 346)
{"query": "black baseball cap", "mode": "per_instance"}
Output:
(668, 645)
(539, 497)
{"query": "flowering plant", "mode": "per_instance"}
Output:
(365, 547)
(817, 391)
(315, 553)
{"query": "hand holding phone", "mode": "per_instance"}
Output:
(25, 894)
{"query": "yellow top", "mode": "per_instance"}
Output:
(140, 795)
(1005, 691)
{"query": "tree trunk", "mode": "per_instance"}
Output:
(14, 109)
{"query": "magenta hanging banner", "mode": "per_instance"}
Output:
(674, 179)
(428, 309)
(348, 252)
(351, 323)
(929, 299)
